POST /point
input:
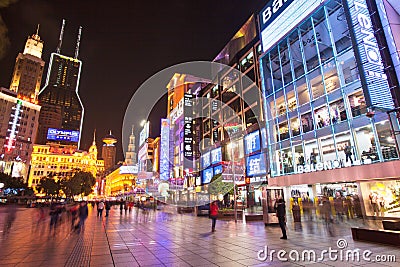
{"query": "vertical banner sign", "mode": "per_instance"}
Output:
(188, 127)
(374, 80)
(164, 150)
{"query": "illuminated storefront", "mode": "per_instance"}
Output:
(59, 161)
(326, 94)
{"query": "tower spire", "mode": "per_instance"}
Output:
(61, 37)
(78, 41)
(94, 137)
(37, 29)
(133, 127)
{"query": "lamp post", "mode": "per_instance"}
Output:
(234, 181)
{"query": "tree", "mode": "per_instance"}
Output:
(81, 183)
(12, 185)
(49, 186)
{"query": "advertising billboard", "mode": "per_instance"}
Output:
(207, 175)
(62, 135)
(216, 155)
(164, 150)
(252, 142)
(205, 160)
(256, 165)
(188, 125)
(218, 169)
(373, 78)
(277, 18)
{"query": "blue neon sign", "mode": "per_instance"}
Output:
(256, 165)
(252, 142)
(62, 135)
(207, 175)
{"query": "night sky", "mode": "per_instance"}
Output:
(123, 43)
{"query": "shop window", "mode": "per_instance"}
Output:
(340, 31)
(386, 140)
(285, 62)
(348, 67)
(307, 122)
(283, 131)
(331, 78)
(295, 53)
(317, 87)
(272, 112)
(247, 62)
(302, 91)
(295, 126)
(311, 151)
(299, 155)
(322, 117)
(276, 70)
(287, 160)
(267, 81)
(366, 144)
(290, 97)
(250, 117)
(328, 149)
(322, 36)
(280, 104)
(337, 111)
(357, 104)
(309, 45)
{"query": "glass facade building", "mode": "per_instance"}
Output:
(318, 114)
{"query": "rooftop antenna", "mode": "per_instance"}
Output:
(78, 41)
(61, 37)
(37, 29)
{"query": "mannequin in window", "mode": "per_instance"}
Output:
(301, 159)
(320, 122)
(348, 153)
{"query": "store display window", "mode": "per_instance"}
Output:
(311, 151)
(337, 111)
(331, 78)
(322, 117)
(322, 36)
(295, 126)
(348, 67)
(357, 103)
(302, 91)
(287, 160)
(317, 87)
(307, 122)
(291, 98)
(283, 130)
(297, 59)
(299, 155)
(366, 144)
(338, 23)
(386, 140)
(381, 198)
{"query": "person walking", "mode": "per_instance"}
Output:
(121, 205)
(83, 214)
(108, 207)
(281, 214)
(213, 214)
(100, 208)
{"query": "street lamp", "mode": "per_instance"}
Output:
(230, 145)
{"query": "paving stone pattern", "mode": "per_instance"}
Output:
(159, 238)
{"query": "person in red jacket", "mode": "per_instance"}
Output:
(213, 214)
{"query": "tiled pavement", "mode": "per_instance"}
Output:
(165, 239)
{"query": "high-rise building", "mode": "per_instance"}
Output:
(109, 151)
(28, 69)
(18, 126)
(61, 90)
(130, 155)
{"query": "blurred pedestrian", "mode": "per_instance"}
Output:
(121, 206)
(11, 215)
(83, 214)
(281, 214)
(108, 207)
(100, 208)
(213, 214)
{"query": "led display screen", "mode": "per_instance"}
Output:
(252, 142)
(256, 165)
(207, 175)
(62, 135)
(216, 155)
(205, 160)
